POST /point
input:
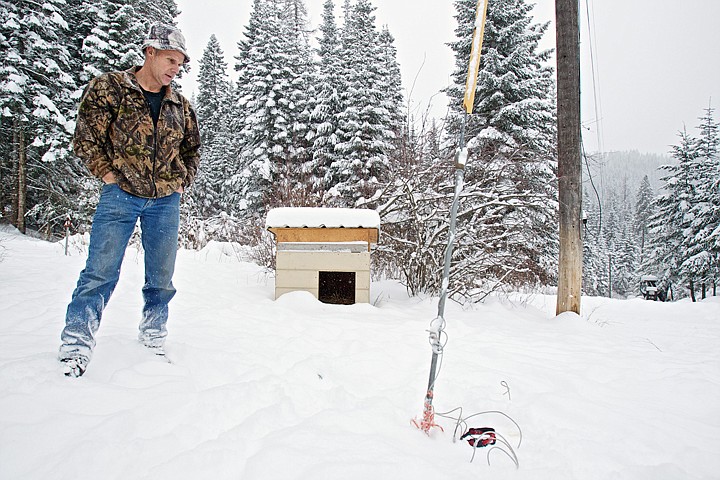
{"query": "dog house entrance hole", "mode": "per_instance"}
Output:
(337, 288)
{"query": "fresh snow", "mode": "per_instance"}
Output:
(296, 389)
(298, 217)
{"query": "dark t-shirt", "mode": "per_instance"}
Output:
(154, 100)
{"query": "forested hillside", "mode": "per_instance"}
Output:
(655, 215)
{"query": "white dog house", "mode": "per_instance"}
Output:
(324, 251)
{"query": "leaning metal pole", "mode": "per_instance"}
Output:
(438, 324)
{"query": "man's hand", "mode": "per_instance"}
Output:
(109, 178)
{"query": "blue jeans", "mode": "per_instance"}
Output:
(113, 224)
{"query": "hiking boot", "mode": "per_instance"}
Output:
(74, 366)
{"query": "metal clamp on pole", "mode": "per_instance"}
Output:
(461, 156)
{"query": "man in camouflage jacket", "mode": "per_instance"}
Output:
(115, 134)
(142, 139)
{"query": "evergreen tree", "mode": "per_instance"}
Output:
(114, 43)
(595, 251)
(367, 127)
(509, 203)
(624, 263)
(295, 14)
(390, 81)
(35, 99)
(151, 11)
(514, 105)
(213, 102)
(83, 16)
(272, 109)
(670, 217)
(213, 90)
(506, 220)
(325, 132)
(301, 91)
(643, 211)
(703, 255)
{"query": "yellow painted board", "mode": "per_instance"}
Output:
(322, 235)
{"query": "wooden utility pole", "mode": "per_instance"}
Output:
(569, 161)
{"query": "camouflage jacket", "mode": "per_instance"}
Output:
(115, 133)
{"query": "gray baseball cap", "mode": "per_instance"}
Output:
(166, 37)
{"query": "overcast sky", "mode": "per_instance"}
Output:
(656, 62)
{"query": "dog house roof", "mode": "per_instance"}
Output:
(313, 217)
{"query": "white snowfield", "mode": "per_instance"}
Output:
(295, 389)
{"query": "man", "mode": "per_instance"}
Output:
(141, 138)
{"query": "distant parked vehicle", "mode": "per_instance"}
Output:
(649, 287)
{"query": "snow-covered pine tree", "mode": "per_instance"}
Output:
(271, 111)
(295, 14)
(302, 78)
(324, 132)
(595, 252)
(643, 210)
(246, 179)
(35, 100)
(213, 90)
(390, 83)
(114, 43)
(621, 240)
(83, 16)
(669, 219)
(151, 11)
(703, 255)
(508, 212)
(212, 108)
(366, 126)
(624, 262)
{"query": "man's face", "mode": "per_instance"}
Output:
(164, 64)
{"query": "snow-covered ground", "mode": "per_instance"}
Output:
(295, 389)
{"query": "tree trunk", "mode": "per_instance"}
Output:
(610, 275)
(703, 290)
(20, 196)
(692, 290)
(569, 161)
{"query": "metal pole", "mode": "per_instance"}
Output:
(67, 234)
(438, 324)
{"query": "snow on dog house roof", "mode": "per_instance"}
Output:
(309, 224)
(311, 217)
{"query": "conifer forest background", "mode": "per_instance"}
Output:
(318, 117)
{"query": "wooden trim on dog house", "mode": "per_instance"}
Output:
(325, 235)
